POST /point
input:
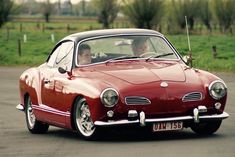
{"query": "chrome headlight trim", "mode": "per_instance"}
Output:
(210, 89)
(102, 97)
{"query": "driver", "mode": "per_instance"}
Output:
(84, 54)
(139, 46)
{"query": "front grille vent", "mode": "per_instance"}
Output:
(194, 96)
(136, 100)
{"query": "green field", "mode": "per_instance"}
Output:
(39, 45)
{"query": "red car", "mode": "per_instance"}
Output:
(115, 77)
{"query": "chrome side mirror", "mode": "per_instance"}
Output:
(186, 59)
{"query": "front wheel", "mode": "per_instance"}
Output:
(34, 126)
(206, 128)
(82, 119)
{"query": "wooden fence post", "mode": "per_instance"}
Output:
(214, 51)
(21, 27)
(43, 27)
(91, 27)
(19, 47)
(8, 33)
(68, 28)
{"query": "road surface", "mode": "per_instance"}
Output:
(15, 140)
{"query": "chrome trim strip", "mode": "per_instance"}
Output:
(220, 116)
(183, 118)
(137, 97)
(192, 93)
(169, 119)
(120, 122)
(126, 34)
(50, 110)
(20, 107)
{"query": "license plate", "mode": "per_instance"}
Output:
(167, 126)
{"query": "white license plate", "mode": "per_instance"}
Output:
(167, 126)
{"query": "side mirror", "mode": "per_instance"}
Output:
(62, 70)
(186, 59)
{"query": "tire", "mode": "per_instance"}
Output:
(206, 128)
(82, 120)
(33, 125)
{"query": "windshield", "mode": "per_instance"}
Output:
(123, 47)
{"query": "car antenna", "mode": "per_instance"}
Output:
(190, 59)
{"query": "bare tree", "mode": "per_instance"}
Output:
(5, 9)
(225, 13)
(47, 10)
(182, 8)
(107, 11)
(144, 13)
(205, 14)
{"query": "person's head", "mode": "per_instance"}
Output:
(139, 46)
(84, 54)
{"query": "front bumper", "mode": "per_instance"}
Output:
(20, 107)
(142, 120)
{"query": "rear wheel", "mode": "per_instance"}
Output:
(206, 128)
(82, 119)
(34, 126)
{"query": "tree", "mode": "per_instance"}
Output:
(225, 13)
(85, 8)
(107, 11)
(5, 8)
(144, 13)
(205, 14)
(182, 8)
(47, 10)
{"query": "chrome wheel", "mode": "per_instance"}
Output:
(30, 115)
(34, 126)
(83, 119)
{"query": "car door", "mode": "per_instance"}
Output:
(52, 83)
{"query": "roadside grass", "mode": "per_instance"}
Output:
(39, 45)
(201, 46)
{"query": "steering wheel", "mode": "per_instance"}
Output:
(147, 54)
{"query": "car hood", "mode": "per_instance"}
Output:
(137, 73)
(146, 73)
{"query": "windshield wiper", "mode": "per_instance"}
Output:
(121, 58)
(159, 56)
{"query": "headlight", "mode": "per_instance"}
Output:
(109, 97)
(217, 89)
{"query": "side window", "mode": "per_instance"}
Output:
(62, 56)
(52, 58)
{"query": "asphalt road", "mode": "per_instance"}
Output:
(15, 140)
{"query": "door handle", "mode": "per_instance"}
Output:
(46, 81)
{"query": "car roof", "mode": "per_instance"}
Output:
(108, 32)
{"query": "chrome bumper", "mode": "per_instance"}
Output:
(155, 120)
(20, 107)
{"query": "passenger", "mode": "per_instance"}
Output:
(84, 54)
(139, 46)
